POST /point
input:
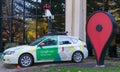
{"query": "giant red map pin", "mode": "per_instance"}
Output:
(101, 27)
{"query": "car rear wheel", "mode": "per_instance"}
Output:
(77, 57)
(25, 60)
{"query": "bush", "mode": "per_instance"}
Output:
(8, 45)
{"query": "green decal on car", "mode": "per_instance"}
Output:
(49, 51)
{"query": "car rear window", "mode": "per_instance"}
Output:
(74, 40)
(64, 40)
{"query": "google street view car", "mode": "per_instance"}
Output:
(49, 48)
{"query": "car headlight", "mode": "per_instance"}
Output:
(9, 52)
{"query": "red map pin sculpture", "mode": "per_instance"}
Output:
(101, 28)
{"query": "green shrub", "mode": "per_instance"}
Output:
(8, 45)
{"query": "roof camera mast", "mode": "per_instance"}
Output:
(48, 15)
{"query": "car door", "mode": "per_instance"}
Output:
(48, 49)
(65, 48)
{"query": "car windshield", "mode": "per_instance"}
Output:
(37, 41)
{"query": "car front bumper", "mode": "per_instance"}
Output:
(9, 59)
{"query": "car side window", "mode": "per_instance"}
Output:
(50, 41)
(64, 40)
(74, 40)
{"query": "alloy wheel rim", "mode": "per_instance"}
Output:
(77, 57)
(26, 61)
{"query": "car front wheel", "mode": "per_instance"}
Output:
(25, 60)
(77, 57)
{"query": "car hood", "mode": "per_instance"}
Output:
(19, 48)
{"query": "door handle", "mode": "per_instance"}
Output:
(62, 48)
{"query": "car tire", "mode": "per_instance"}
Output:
(77, 57)
(25, 60)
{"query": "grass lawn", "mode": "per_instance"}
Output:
(77, 70)
(82, 70)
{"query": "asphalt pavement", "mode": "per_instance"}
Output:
(87, 63)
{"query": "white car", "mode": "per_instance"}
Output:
(47, 49)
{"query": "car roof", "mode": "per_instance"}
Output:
(55, 33)
(60, 34)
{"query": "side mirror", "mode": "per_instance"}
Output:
(42, 44)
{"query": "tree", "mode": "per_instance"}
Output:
(28, 12)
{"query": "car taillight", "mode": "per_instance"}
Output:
(85, 46)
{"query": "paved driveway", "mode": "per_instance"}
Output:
(13, 68)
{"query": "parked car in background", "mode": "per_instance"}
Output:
(49, 48)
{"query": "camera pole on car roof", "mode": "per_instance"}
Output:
(48, 16)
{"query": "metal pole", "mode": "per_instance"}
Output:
(24, 38)
(103, 5)
(11, 20)
(36, 18)
(49, 25)
(50, 4)
(106, 6)
(1, 42)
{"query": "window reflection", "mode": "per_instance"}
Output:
(26, 17)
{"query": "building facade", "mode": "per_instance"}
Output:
(75, 22)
